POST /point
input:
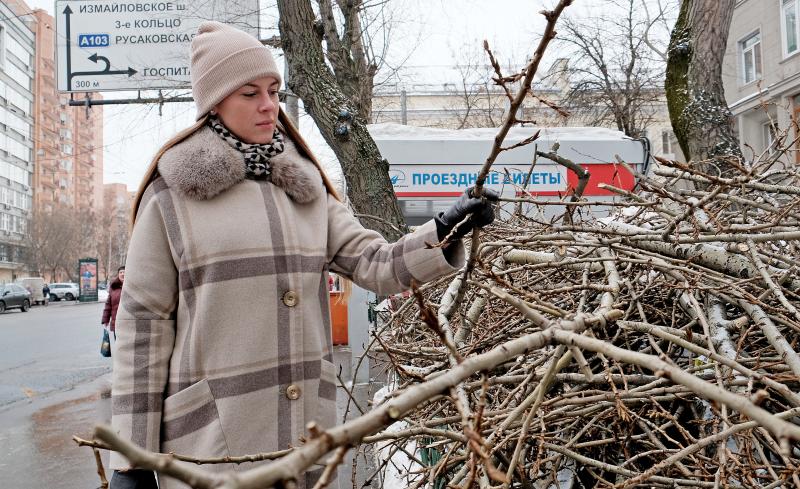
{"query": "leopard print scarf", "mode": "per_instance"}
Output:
(256, 156)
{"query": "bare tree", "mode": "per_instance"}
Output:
(701, 119)
(339, 101)
(51, 238)
(112, 240)
(616, 64)
(476, 101)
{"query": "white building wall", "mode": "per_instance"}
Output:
(17, 49)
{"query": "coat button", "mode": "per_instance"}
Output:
(293, 392)
(290, 298)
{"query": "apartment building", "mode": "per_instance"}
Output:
(17, 51)
(761, 73)
(69, 140)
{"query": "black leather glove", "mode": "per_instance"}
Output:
(133, 479)
(480, 210)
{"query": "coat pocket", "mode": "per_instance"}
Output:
(191, 425)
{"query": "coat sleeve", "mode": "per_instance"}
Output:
(145, 327)
(367, 259)
(107, 311)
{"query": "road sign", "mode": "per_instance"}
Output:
(106, 45)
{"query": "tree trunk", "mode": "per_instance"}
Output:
(344, 129)
(354, 73)
(701, 120)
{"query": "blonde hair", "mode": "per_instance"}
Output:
(289, 128)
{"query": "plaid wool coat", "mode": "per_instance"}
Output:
(223, 331)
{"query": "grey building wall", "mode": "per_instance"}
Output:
(17, 49)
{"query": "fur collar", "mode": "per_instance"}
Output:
(203, 166)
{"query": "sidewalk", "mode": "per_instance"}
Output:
(362, 394)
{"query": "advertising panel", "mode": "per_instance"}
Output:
(87, 273)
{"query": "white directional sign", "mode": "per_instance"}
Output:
(135, 44)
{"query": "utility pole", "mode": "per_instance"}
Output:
(403, 107)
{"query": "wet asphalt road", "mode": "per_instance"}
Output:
(53, 384)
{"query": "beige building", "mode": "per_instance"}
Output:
(454, 101)
(761, 72)
(69, 142)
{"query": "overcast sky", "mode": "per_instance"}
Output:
(436, 31)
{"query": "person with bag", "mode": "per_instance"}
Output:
(110, 312)
(112, 302)
(223, 331)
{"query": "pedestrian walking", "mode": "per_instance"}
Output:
(223, 331)
(46, 294)
(112, 302)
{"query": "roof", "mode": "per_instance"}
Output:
(392, 131)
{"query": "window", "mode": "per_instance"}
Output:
(769, 133)
(666, 142)
(789, 26)
(15, 174)
(67, 149)
(18, 149)
(18, 75)
(17, 100)
(17, 123)
(750, 48)
(2, 45)
(15, 48)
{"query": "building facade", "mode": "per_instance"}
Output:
(761, 74)
(69, 140)
(454, 101)
(17, 74)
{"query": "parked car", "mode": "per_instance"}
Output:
(13, 296)
(64, 291)
(35, 286)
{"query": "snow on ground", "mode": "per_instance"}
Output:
(396, 475)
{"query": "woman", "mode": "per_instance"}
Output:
(223, 333)
(112, 302)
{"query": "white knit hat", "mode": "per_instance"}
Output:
(223, 59)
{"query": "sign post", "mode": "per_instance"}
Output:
(104, 45)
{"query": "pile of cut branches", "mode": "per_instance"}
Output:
(660, 344)
(652, 348)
